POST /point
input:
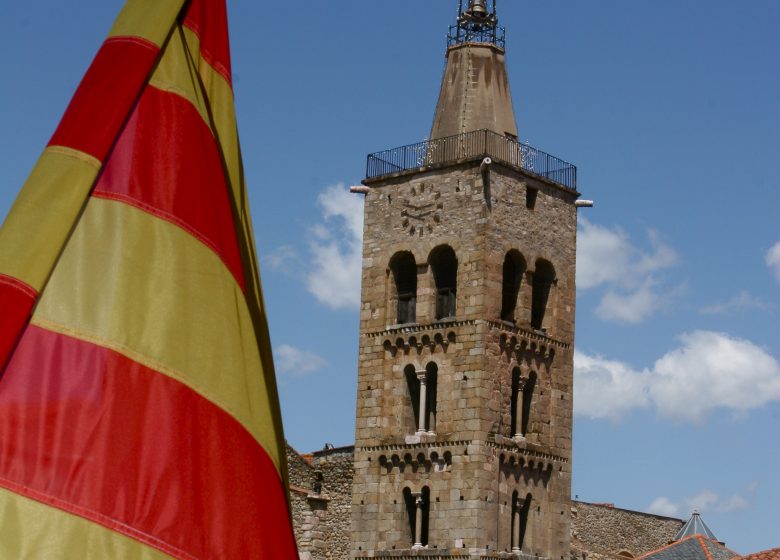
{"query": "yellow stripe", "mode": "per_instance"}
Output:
(30, 530)
(44, 213)
(147, 289)
(176, 73)
(149, 19)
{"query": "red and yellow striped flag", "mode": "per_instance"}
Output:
(139, 417)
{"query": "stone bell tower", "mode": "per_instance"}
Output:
(464, 404)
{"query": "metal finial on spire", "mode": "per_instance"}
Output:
(477, 23)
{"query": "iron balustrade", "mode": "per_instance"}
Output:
(472, 145)
(460, 35)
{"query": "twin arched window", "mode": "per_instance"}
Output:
(543, 280)
(418, 508)
(521, 400)
(423, 395)
(444, 267)
(521, 507)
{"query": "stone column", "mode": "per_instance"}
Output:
(519, 408)
(516, 526)
(422, 377)
(418, 502)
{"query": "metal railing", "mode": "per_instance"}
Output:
(472, 145)
(460, 35)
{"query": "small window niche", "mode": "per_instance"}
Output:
(530, 197)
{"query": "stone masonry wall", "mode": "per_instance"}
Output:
(337, 467)
(602, 531)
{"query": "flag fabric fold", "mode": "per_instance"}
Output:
(139, 416)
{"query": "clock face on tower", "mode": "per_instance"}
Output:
(421, 209)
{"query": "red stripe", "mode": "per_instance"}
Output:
(106, 95)
(208, 19)
(167, 163)
(94, 433)
(16, 303)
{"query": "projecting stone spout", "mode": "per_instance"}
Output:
(474, 93)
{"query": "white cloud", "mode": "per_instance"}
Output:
(704, 501)
(712, 370)
(605, 388)
(664, 506)
(742, 301)
(773, 260)
(709, 371)
(336, 250)
(284, 259)
(606, 258)
(633, 306)
(294, 361)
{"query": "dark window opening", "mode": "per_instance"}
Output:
(445, 275)
(418, 505)
(544, 278)
(514, 267)
(404, 269)
(411, 511)
(426, 510)
(528, 397)
(516, 422)
(525, 508)
(413, 383)
(530, 197)
(431, 373)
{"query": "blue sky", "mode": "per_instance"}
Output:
(669, 109)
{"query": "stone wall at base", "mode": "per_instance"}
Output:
(321, 519)
(602, 531)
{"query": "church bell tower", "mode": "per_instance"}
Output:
(464, 402)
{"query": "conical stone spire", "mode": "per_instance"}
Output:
(475, 90)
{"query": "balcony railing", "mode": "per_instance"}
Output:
(472, 145)
(460, 35)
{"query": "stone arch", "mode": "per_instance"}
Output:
(542, 295)
(513, 271)
(403, 290)
(528, 398)
(444, 268)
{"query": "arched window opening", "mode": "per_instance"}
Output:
(445, 274)
(516, 404)
(523, 510)
(544, 278)
(418, 512)
(404, 269)
(411, 512)
(422, 396)
(527, 400)
(431, 374)
(426, 510)
(514, 268)
(413, 383)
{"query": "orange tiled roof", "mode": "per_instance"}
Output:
(771, 554)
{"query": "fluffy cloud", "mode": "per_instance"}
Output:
(294, 361)
(704, 501)
(605, 388)
(336, 250)
(284, 259)
(742, 301)
(773, 260)
(607, 259)
(707, 372)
